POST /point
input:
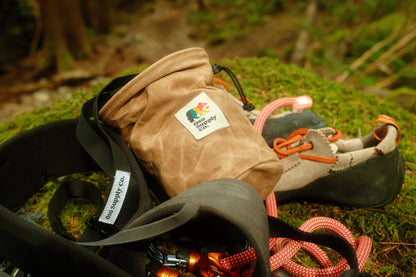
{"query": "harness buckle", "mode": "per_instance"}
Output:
(101, 228)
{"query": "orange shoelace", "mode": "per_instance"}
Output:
(280, 143)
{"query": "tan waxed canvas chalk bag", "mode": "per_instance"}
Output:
(186, 131)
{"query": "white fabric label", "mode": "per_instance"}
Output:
(116, 198)
(202, 117)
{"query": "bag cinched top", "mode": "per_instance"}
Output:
(186, 131)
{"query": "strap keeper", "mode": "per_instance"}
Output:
(101, 228)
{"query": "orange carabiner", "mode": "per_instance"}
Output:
(210, 265)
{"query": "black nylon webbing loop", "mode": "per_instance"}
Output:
(66, 191)
(112, 155)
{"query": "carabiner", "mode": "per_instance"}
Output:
(210, 266)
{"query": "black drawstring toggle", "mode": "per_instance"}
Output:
(246, 105)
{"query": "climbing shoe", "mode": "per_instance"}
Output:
(320, 166)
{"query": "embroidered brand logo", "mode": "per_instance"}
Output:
(201, 116)
(116, 198)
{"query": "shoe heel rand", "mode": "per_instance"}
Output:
(373, 183)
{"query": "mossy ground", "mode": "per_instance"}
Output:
(392, 227)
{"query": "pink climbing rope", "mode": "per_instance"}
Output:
(298, 104)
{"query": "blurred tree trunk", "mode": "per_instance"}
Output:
(201, 5)
(64, 35)
(38, 27)
(301, 48)
(98, 14)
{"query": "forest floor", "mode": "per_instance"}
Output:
(136, 38)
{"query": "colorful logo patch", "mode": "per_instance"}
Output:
(201, 116)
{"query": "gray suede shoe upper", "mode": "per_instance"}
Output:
(325, 157)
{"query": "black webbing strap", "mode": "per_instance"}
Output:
(147, 231)
(42, 253)
(27, 162)
(117, 160)
(92, 136)
(36, 156)
(237, 203)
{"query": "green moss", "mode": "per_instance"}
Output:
(392, 228)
